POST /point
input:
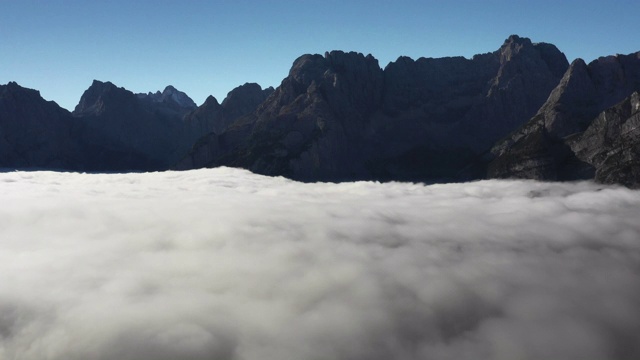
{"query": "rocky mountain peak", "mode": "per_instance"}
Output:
(355, 66)
(587, 127)
(615, 77)
(244, 99)
(575, 97)
(553, 57)
(170, 96)
(349, 81)
(528, 66)
(178, 97)
(340, 116)
(210, 100)
(34, 132)
(242, 91)
(13, 93)
(13, 88)
(344, 61)
(586, 90)
(94, 98)
(306, 69)
(514, 38)
(513, 46)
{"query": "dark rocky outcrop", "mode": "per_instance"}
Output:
(242, 101)
(213, 117)
(171, 97)
(341, 117)
(122, 131)
(554, 145)
(520, 111)
(111, 128)
(35, 133)
(308, 126)
(126, 131)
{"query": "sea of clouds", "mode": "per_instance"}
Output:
(225, 264)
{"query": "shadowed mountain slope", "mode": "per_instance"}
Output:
(341, 117)
(587, 128)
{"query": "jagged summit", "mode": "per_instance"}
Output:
(170, 95)
(14, 87)
(553, 145)
(512, 46)
(339, 116)
(210, 100)
(244, 99)
(34, 132)
(93, 98)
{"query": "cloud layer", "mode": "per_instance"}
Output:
(224, 264)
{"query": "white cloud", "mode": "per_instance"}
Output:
(224, 264)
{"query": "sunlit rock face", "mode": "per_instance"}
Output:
(225, 264)
(341, 117)
(611, 143)
(111, 128)
(560, 142)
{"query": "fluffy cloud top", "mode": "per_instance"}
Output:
(224, 264)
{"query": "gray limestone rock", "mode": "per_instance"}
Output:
(611, 143)
(554, 145)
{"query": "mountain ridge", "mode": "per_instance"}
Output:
(547, 147)
(341, 117)
(519, 111)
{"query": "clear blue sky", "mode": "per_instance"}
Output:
(210, 47)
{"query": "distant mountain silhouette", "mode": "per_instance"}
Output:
(111, 128)
(520, 111)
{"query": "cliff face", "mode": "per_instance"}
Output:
(553, 144)
(171, 98)
(122, 131)
(520, 111)
(125, 131)
(213, 117)
(35, 133)
(611, 143)
(341, 117)
(301, 119)
(111, 128)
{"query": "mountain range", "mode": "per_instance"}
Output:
(521, 111)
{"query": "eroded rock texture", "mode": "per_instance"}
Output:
(589, 117)
(341, 117)
(35, 133)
